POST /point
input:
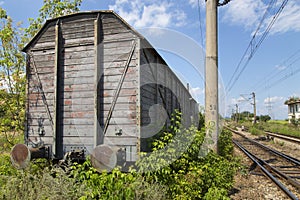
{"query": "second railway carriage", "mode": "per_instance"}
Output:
(91, 80)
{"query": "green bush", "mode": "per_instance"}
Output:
(174, 170)
(39, 182)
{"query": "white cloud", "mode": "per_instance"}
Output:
(197, 93)
(193, 3)
(149, 13)
(274, 99)
(280, 67)
(289, 18)
(245, 13)
(248, 13)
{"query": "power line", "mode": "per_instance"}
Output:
(275, 73)
(200, 24)
(253, 46)
(281, 79)
(250, 44)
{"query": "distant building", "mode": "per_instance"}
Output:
(293, 108)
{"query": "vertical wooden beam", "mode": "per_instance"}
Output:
(28, 63)
(96, 81)
(138, 95)
(56, 91)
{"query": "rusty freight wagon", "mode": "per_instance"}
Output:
(93, 80)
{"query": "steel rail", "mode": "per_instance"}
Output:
(285, 156)
(284, 137)
(266, 172)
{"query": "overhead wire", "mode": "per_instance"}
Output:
(286, 76)
(271, 4)
(253, 48)
(200, 24)
(286, 64)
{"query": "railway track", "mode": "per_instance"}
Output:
(283, 137)
(270, 134)
(282, 169)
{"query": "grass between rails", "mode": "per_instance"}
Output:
(281, 127)
(189, 176)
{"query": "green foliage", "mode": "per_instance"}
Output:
(264, 118)
(173, 171)
(12, 63)
(50, 9)
(201, 121)
(116, 184)
(175, 162)
(12, 79)
(225, 146)
(40, 182)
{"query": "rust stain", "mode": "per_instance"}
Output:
(68, 102)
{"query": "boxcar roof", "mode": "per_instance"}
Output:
(51, 21)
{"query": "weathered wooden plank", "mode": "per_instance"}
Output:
(79, 21)
(77, 81)
(130, 84)
(120, 36)
(120, 70)
(78, 61)
(123, 92)
(77, 54)
(47, 56)
(131, 114)
(78, 67)
(86, 74)
(117, 51)
(78, 94)
(77, 121)
(118, 58)
(75, 35)
(41, 64)
(127, 131)
(121, 99)
(76, 27)
(79, 41)
(116, 78)
(44, 70)
(44, 45)
(78, 101)
(78, 87)
(121, 141)
(78, 131)
(114, 45)
(79, 49)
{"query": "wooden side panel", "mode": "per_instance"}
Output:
(77, 83)
(160, 87)
(118, 41)
(40, 92)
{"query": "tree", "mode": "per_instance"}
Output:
(12, 75)
(265, 118)
(50, 9)
(12, 62)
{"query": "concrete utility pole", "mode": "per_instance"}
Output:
(254, 107)
(236, 113)
(211, 74)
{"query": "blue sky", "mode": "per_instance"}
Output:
(173, 27)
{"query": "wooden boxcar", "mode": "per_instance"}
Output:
(91, 80)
